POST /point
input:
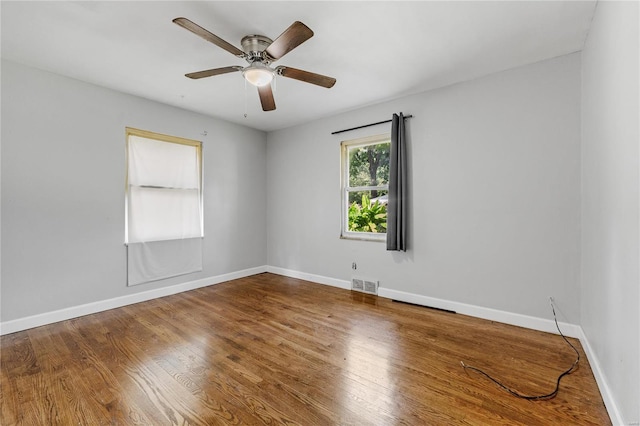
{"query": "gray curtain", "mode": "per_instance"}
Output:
(397, 206)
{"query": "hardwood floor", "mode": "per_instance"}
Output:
(274, 350)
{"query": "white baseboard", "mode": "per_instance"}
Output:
(103, 305)
(334, 282)
(534, 323)
(607, 396)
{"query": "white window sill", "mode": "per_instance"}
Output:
(364, 236)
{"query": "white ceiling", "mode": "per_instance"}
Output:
(376, 50)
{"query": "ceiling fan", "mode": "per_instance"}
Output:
(260, 51)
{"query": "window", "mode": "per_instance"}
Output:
(365, 187)
(163, 208)
(164, 191)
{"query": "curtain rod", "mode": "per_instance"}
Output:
(366, 125)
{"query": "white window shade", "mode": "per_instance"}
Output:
(163, 164)
(157, 214)
(158, 260)
(164, 194)
(164, 225)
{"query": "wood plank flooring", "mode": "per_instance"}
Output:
(274, 350)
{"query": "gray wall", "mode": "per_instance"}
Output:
(495, 210)
(610, 188)
(63, 169)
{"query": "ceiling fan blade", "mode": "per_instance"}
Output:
(291, 38)
(306, 76)
(212, 72)
(199, 31)
(266, 98)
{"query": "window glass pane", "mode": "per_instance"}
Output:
(379, 195)
(369, 165)
(367, 211)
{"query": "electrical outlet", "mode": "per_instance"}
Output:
(354, 266)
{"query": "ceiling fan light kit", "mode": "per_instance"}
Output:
(260, 51)
(258, 74)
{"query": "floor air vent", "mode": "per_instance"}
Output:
(371, 287)
(364, 286)
(357, 284)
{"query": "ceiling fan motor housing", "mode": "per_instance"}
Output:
(254, 46)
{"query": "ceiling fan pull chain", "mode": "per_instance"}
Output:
(245, 98)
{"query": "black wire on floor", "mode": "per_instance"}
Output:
(534, 397)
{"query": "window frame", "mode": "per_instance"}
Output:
(345, 189)
(130, 131)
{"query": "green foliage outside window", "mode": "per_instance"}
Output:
(368, 216)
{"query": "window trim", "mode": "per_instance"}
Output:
(345, 188)
(131, 131)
